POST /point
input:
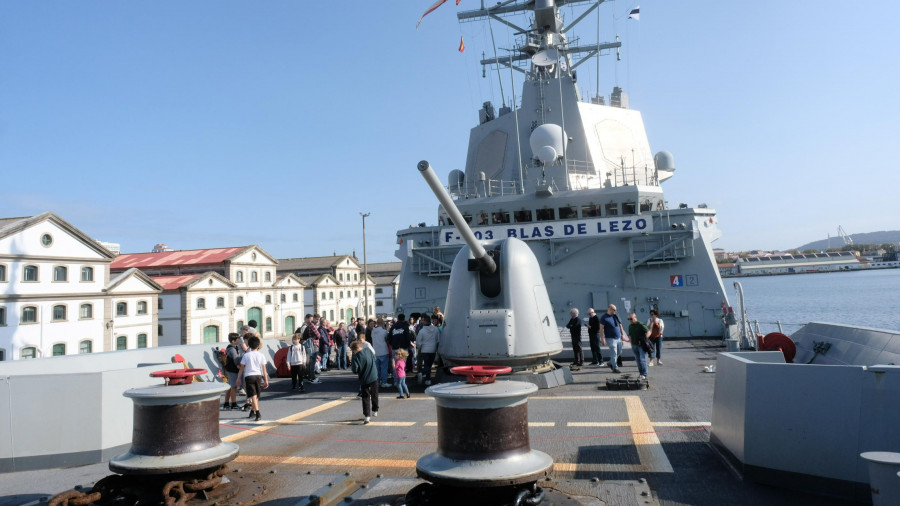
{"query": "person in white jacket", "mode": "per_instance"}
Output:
(427, 341)
(297, 359)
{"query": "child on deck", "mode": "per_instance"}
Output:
(254, 374)
(400, 372)
(297, 358)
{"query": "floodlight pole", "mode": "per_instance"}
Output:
(365, 268)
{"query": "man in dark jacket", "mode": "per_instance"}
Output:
(594, 337)
(574, 327)
(363, 364)
(401, 337)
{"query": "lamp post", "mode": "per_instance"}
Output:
(365, 267)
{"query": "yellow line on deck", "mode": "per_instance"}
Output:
(650, 451)
(282, 421)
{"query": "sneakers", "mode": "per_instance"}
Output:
(650, 363)
(366, 420)
(658, 362)
(642, 377)
(374, 413)
(317, 381)
(594, 363)
(400, 397)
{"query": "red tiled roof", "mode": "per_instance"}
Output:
(171, 258)
(174, 282)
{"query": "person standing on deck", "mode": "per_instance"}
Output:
(612, 333)
(363, 364)
(379, 341)
(657, 327)
(640, 344)
(574, 327)
(594, 337)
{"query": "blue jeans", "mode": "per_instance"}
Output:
(382, 362)
(401, 385)
(615, 349)
(640, 356)
(341, 358)
(656, 347)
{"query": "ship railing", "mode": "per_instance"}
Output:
(764, 328)
(630, 176)
(486, 188)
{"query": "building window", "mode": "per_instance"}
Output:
(60, 273)
(283, 298)
(331, 315)
(122, 343)
(31, 273)
(2, 355)
(201, 303)
(220, 302)
(211, 334)
(122, 309)
(239, 301)
(159, 303)
(142, 341)
(356, 293)
(612, 209)
(340, 276)
(2, 272)
(500, 217)
(28, 352)
(629, 208)
(59, 313)
(379, 290)
(268, 324)
(87, 273)
(331, 295)
(2, 316)
(268, 276)
(254, 277)
(142, 307)
(342, 314)
(29, 314)
(85, 347)
(240, 323)
(46, 240)
(59, 350)
(342, 294)
(323, 295)
(296, 298)
(370, 293)
(379, 303)
(239, 276)
(268, 299)
(356, 277)
(159, 330)
(546, 214)
(86, 311)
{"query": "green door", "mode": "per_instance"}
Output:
(289, 325)
(255, 313)
(211, 334)
(349, 316)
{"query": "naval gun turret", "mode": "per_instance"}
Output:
(497, 310)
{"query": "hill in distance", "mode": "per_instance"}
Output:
(885, 236)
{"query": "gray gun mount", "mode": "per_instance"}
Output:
(497, 310)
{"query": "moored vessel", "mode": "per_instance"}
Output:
(573, 177)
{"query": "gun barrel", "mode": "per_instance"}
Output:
(485, 261)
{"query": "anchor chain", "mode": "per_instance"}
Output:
(110, 488)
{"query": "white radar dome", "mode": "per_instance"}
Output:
(664, 161)
(549, 136)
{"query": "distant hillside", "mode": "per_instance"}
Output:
(891, 236)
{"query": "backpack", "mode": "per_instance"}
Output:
(223, 359)
(230, 366)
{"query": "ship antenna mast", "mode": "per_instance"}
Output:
(497, 63)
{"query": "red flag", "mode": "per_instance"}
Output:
(430, 10)
(462, 45)
(457, 2)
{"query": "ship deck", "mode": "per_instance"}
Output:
(605, 442)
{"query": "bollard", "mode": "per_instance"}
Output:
(176, 427)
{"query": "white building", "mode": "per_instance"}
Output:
(335, 286)
(211, 292)
(57, 298)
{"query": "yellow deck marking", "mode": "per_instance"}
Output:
(325, 461)
(431, 424)
(282, 421)
(650, 451)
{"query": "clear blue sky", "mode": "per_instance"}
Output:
(218, 123)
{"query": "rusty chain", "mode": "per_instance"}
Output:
(74, 498)
(174, 493)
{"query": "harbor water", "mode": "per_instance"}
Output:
(863, 298)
